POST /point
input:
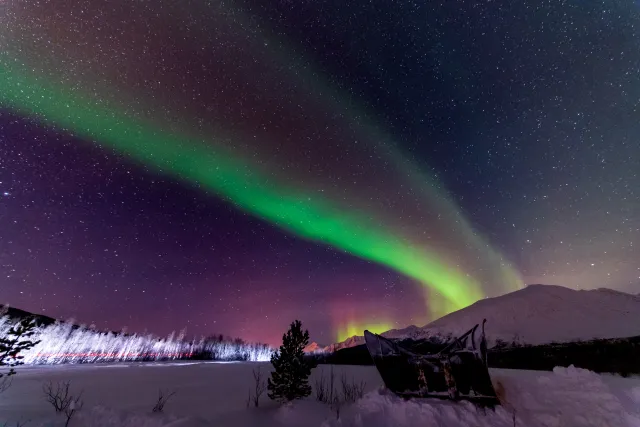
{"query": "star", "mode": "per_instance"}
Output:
(355, 160)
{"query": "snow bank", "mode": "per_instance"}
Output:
(568, 397)
(382, 409)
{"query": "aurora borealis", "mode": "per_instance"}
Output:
(233, 166)
(239, 183)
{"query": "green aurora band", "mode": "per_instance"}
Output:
(351, 329)
(237, 180)
(303, 70)
(211, 160)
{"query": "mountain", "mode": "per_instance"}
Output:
(536, 314)
(16, 313)
(349, 342)
(314, 347)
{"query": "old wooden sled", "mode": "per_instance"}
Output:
(459, 371)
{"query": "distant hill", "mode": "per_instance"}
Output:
(16, 313)
(536, 314)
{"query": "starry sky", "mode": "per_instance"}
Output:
(231, 166)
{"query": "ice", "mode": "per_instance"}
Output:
(215, 394)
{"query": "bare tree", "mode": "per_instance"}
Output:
(60, 397)
(75, 406)
(5, 383)
(325, 390)
(336, 405)
(259, 384)
(163, 397)
(321, 390)
(351, 391)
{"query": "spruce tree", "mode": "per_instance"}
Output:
(289, 380)
(16, 341)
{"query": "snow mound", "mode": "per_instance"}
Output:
(381, 409)
(568, 397)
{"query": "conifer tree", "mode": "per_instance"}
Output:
(16, 341)
(289, 380)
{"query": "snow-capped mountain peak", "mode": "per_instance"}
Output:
(314, 347)
(536, 314)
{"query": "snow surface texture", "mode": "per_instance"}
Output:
(64, 343)
(537, 314)
(215, 394)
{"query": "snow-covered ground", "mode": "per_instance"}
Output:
(215, 394)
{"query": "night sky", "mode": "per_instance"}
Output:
(231, 166)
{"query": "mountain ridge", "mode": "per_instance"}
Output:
(535, 314)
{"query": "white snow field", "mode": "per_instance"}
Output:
(215, 394)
